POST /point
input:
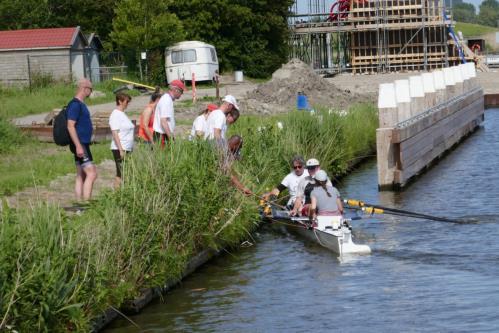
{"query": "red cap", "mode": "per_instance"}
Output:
(178, 84)
(211, 107)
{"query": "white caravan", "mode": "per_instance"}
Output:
(185, 58)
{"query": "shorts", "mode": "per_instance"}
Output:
(159, 137)
(87, 158)
(118, 160)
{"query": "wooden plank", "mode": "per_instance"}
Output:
(386, 152)
(431, 155)
(444, 132)
(402, 134)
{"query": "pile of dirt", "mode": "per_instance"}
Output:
(280, 93)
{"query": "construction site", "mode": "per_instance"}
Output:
(376, 36)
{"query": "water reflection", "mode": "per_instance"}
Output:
(422, 275)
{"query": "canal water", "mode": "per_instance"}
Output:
(423, 276)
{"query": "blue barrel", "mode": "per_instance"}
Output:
(301, 101)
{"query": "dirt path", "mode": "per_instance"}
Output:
(60, 191)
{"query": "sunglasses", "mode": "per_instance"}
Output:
(312, 167)
(297, 167)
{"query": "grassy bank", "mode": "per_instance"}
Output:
(57, 272)
(34, 163)
(19, 102)
(473, 30)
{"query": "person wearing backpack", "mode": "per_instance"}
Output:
(80, 130)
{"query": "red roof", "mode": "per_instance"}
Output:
(37, 38)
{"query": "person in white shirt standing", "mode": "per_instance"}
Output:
(216, 123)
(164, 117)
(123, 131)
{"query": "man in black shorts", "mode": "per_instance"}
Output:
(80, 129)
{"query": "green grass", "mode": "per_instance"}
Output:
(473, 30)
(36, 163)
(57, 273)
(18, 102)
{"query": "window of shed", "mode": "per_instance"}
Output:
(189, 55)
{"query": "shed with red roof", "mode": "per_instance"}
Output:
(32, 54)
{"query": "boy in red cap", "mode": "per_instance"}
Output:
(164, 117)
(199, 124)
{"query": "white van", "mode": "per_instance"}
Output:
(185, 58)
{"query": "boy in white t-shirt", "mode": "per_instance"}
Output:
(199, 125)
(123, 133)
(216, 123)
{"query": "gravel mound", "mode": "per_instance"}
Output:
(279, 94)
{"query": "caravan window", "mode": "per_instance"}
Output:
(183, 56)
(190, 56)
(213, 55)
(176, 57)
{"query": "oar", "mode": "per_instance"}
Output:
(376, 209)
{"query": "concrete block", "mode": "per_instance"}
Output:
(430, 95)
(387, 105)
(416, 92)
(403, 97)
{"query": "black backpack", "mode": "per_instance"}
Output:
(60, 129)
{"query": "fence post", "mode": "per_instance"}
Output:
(29, 72)
(193, 87)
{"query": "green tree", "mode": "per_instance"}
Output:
(145, 25)
(90, 15)
(248, 35)
(489, 13)
(464, 12)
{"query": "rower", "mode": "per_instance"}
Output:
(306, 185)
(291, 181)
(325, 200)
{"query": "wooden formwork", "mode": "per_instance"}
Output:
(379, 36)
(404, 35)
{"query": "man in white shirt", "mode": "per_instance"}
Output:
(291, 181)
(164, 117)
(216, 124)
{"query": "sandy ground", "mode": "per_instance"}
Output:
(60, 191)
(369, 83)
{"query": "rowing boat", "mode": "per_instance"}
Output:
(331, 232)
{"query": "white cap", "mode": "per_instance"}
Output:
(312, 162)
(321, 176)
(231, 100)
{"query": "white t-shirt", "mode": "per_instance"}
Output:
(119, 121)
(291, 181)
(199, 124)
(164, 109)
(217, 120)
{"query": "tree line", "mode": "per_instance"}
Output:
(248, 34)
(466, 12)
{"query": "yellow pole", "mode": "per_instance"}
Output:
(134, 83)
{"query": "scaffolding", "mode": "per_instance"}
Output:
(371, 36)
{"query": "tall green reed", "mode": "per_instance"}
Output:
(58, 272)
